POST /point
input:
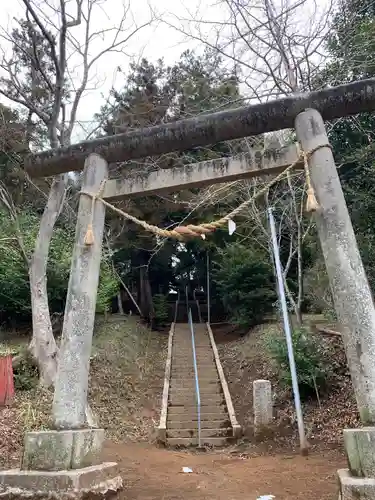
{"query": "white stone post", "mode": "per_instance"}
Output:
(70, 396)
(353, 303)
(262, 404)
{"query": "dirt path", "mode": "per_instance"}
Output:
(150, 473)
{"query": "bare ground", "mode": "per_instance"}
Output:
(125, 389)
(150, 473)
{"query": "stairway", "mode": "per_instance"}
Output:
(179, 417)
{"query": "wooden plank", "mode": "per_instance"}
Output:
(205, 129)
(162, 428)
(327, 331)
(203, 173)
(228, 400)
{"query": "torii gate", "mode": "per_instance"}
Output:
(351, 292)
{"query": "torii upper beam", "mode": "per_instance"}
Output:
(334, 102)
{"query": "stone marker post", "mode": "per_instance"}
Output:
(352, 298)
(262, 404)
(70, 396)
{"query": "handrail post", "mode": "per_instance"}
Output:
(208, 295)
(176, 306)
(288, 334)
(197, 391)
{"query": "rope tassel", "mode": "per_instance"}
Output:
(89, 239)
(89, 236)
(312, 204)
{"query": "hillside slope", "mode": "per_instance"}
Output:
(245, 359)
(126, 381)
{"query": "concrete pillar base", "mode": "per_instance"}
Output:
(97, 481)
(360, 451)
(62, 450)
(355, 488)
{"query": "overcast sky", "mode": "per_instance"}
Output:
(151, 42)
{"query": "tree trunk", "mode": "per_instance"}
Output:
(119, 302)
(299, 300)
(145, 294)
(43, 345)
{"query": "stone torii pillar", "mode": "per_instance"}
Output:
(353, 303)
(70, 398)
(66, 462)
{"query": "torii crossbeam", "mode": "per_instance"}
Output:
(210, 128)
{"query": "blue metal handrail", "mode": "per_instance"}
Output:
(176, 307)
(197, 391)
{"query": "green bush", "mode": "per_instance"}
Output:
(108, 288)
(160, 309)
(14, 280)
(312, 369)
(26, 375)
(318, 295)
(244, 279)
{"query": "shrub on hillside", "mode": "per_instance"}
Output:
(14, 279)
(244, 279)
(312, 368)
(318, 295)
(160, 303)
(25, 371)
(108, 287)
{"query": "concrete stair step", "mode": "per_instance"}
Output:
(177, 367)
(191, 411)
(186, 442)
(201, 371)
(199, 351)
(205, 433)
(193, 424)
(189, 357)
(203, 365)
(190, 377)
(202, 375)
(189, 361)
(180, 364)
(207, 420)
(191, 401)
(183, 367)
(212, 397)
(185, 345)
(186, 350)
(182, 342)
(208, 380)
(207, 389)
(189, 383)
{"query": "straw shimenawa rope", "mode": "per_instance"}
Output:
(181, 233)
(312, 204)
(89, 237)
